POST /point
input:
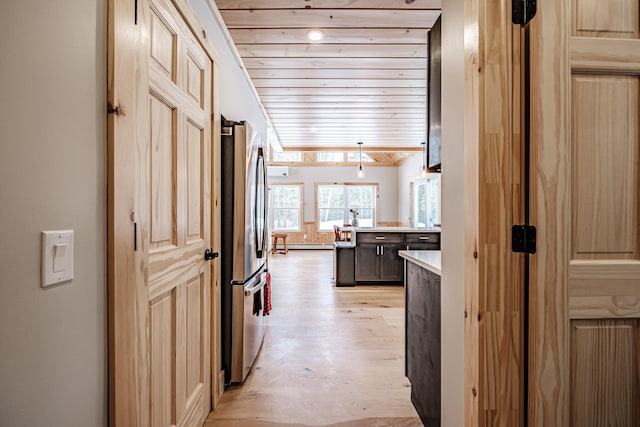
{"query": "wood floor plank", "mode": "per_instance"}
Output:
(331, 357)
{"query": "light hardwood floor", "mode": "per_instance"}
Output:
(331, 356)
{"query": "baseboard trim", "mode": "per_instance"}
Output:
(311, 246)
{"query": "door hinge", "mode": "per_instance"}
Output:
(523, 239)
(117, 110)
(523, 11)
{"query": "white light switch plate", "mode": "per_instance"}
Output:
(57, 257)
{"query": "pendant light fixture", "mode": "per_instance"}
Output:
(360, 169)
(423, 170)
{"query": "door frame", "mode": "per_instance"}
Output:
(550, 157)
(493, 199)
(126, 57)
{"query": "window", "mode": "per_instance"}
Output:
(287, 156)
(285, 207)
(354, 157)
(336, 201)
(426, 202)
(329, 157)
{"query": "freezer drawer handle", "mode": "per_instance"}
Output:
(209, 254)
(255, 289)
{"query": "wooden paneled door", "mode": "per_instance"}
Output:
(585, 331)
(160, 218)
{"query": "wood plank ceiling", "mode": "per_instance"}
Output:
(364, 81)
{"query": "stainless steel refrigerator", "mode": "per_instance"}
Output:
(244, 248)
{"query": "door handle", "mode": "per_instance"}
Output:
(381, 250)
(377, 250)
(209, 254)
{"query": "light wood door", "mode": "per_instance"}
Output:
(586, 287)
(160, 178)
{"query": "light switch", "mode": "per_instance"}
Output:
(57, 257)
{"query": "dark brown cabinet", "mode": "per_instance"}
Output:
(423, 341)
(390, 265)
(423, 241)
(376, 253)
(377, 257)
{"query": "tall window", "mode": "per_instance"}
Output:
(285, 207)
(426, 202)
(335, 203)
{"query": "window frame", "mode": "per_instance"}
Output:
(347, 217)
(275, 153)
(413, 192)
(272, 227)
(334, 161)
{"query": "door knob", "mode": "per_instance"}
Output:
(209, 254)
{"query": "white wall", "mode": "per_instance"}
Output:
(53, 354)
(453, 209)
(237, 99)
(407, 172)
(386, 177)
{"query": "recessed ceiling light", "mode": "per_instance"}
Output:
(315, 35)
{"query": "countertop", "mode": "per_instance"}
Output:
(392, 229)
(425, 259)
(344, 244)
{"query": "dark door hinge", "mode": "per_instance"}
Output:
(523, 239)
(523, 11)
(117, 110)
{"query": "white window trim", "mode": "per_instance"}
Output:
(300, 208)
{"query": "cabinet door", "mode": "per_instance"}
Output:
(366, 262)
(391, 267)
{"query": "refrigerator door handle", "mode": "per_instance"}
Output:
(260, 213)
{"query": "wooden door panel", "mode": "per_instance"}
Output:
(194, 342)
(195, 77)
(162, 364)
(195, 181)
(162, 214)
(605, 166)
(162, 39)
(606, 18)
(604, 376)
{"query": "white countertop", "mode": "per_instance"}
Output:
(425, 259)
(392, 229)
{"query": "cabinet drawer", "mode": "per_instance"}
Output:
(381, 238)
(422, 238)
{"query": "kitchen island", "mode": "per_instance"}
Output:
(422, 332)
(376, 251)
